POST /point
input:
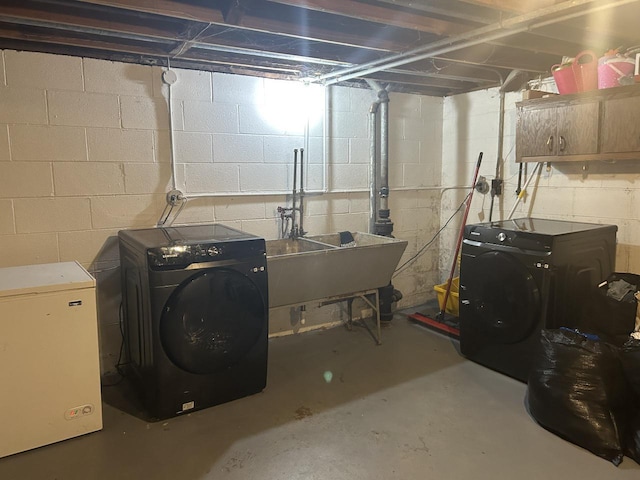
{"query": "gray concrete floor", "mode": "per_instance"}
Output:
(412, 408)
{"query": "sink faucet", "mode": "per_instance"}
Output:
(288, 214)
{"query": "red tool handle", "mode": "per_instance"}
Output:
(460, 235)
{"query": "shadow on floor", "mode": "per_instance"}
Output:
(339, 407)
(308, 374)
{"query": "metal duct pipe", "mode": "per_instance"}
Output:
(381, 225)
(384, 226)
(384, 147)
(373, 156)
(373, 162)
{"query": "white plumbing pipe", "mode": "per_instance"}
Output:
(169, 77)
(325, 186)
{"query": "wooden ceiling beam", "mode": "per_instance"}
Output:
(188, 33)
(489, 56)
(77, 40)
(232, 11)
(200, 11)
(447, 8)
(309, 35)
(428, 81)
(58, 16)
(274, 23)
(378, 14)
(515, 6)
(532, 43)
(283, 27)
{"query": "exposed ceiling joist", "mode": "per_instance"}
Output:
(378, 14)
(321, 38)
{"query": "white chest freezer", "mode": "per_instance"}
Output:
(49, 364)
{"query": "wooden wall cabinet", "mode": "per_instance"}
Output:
(621, 125)
(596, 125)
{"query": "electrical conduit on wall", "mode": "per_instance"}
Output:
(178, 198)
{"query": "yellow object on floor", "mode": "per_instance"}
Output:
(453, 302)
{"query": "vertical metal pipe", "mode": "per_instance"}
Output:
(500, 136)
(325, 141)
(294, 193)
(301, 170)
(499, 160)
(373, 168)
(384, 149)
(302, 232)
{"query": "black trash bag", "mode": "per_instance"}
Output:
(632, 439)
(577, 390)
(630, 356)
(611, 317)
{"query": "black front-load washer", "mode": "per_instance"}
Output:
(195, 315)
(519, 276)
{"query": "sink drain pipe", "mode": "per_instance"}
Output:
(382, 224)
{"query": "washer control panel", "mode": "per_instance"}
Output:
(179, 255)
(184, 254)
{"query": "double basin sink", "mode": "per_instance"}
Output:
(317, 267)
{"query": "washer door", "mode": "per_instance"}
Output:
(504, 299)
(212, 321)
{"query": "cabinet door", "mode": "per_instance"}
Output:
(577, 128)
(621, 125)
(536, 129)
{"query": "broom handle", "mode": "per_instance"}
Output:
(460, 235)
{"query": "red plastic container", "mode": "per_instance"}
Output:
(585, 71)
(565, 78)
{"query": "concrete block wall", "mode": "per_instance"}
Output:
(595, 192)
(85, 152)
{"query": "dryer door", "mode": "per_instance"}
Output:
(212, 320)
(500, 296)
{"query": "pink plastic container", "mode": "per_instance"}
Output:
(612, 69)
(585, 71)
(565, 78)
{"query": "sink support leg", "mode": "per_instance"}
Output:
(375, 306)
(371, 298)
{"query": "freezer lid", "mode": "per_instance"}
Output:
(49, 277)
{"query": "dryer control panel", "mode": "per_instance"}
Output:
(492, 235)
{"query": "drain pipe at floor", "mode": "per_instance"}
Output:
(383, 224)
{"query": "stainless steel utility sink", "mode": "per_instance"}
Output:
(288, 246)
(317, 267)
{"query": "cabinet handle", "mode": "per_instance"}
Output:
(562, 143)
(550, 143)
